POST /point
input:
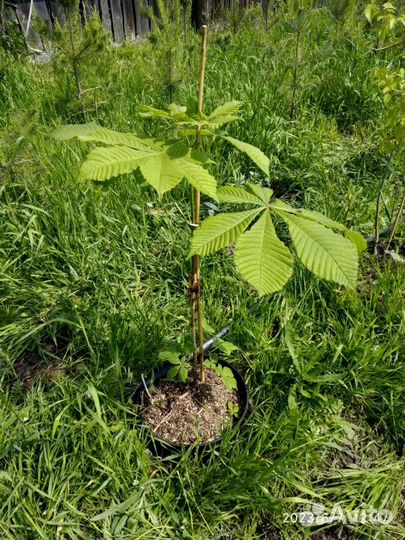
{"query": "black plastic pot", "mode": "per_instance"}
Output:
(161, 447)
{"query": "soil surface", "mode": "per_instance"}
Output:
(183, 413)
(332, 533)
(45, 364)
(382, 247)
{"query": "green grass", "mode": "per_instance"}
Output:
(106, 264)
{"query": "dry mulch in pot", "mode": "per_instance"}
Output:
(183, 413)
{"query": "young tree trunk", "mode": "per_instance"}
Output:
(195, 279)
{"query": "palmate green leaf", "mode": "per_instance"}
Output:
(219, 231)
(170, 356)
(353, 236)
(225, 113)
(189, 116)
(255, 154)
(264, 194)
(227, 347)
(198, 177)
(325, 253)
(237, 195)
(262, 259)
(174, 109)
(178, 372)
(103, 162)
(357, 239)
(93, 132)
(151, 112)
(370, 11)
(190, 132)
(228, 378)
(230, 107)
(226, 374)
(175, 113)
(161, 170)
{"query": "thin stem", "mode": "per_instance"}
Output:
(202, 70)
(397, 220)
(185, 24)
(194, 341)
(388, 47)
(75, 67)
(201, 338)
(170, 74)
(195, 281)
(377, 218)
(378, 209)
(295, 76)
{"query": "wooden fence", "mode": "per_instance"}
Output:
(123, 19)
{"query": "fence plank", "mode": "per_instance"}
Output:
(9, 14)
(142, 22)
(105, 15)
(89, 7)
(117, 19)
(57, 12)
(33, 39)
(41, 9)
(129, 19)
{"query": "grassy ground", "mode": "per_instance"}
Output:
(93, 281)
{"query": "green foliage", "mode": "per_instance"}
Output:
(224, 372)
(387, 18)
(162, 165)
(180, 367)
(220, 231)
(92, 132)
(189, 117)
(233, 409)
(169, 35)
(322, 251)
(255, 154)
(75, 45)
(12, 40)
(226, 347)
(391, 78)
(392, 84)
(261, 258)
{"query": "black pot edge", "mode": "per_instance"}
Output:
(135, 391)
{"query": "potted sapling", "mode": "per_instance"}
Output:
(195, 397)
